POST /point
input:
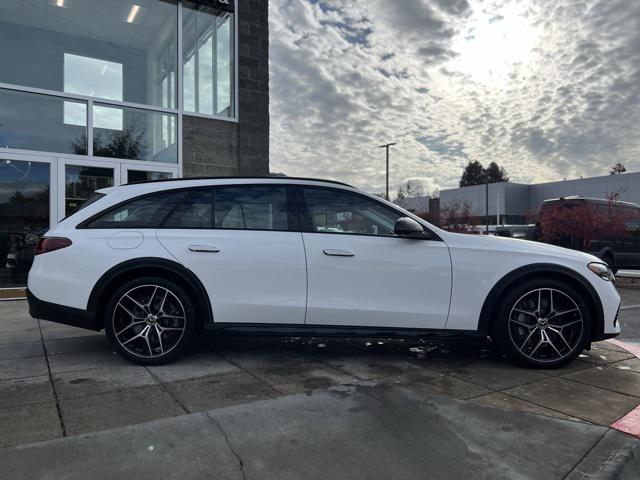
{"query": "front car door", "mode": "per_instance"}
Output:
(244, 244)
(361, 274)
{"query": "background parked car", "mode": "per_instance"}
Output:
(608, 229)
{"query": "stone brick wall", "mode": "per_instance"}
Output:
(219, 148)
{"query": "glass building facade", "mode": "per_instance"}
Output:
(94, 93)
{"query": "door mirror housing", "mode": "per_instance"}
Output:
(408, 227)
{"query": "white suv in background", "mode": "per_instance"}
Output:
(153, 263)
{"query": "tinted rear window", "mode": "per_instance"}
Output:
(245, 207)
(143, 212)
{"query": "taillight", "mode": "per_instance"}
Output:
(49, 244)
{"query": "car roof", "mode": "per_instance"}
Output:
(131, 189)
(270, 177)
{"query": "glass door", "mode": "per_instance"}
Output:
(27, 211)
(139, 173)
(79, 179)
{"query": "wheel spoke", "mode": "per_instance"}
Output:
(140, 334)
(146, 337)
(136, 302)
(155, 290)
(532, 314)
(178, 317)
(528, 338)
(164, 299)
(539, 301)
(132, 324)
(537, 346)
(129, 312)
(522, 324)
(547, 339)
(159, 334)
(568, 324)
(559, 333)
(559, 314)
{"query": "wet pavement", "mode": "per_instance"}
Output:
(309, 408)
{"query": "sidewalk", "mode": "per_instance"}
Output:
(305, 408)
(375, 432)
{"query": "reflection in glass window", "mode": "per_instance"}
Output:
(208, 60)
(82, 182)
(92, 77)
(146, 212)
(334, 211)
(24, 217)
(32, 121)
(252, 208)
(135, 134)
(92, 47)
(137, 176)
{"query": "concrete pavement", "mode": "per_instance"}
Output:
(376, 432)
(306, 408)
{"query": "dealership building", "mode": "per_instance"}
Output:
(96, 93)
(511, 203)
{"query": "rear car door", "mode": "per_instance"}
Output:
(361, 274)
(244, 244)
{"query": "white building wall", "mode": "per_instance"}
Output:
(627, 184)
(504, 198)
(521, 199)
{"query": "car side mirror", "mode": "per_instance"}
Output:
(408, 227)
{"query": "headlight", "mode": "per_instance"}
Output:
(602, 270)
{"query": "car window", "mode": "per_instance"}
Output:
(251, 208)
(144, 212)
(195, 211)
(335, 211)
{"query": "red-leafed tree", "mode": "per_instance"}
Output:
(575, 224)
(458, 217)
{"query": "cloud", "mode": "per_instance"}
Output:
(549, 89)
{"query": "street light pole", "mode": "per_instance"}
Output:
(386, 147)
(486, 202)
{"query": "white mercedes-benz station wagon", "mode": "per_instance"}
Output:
(154, 263)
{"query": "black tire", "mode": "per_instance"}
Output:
(158, 305)
(531, 338)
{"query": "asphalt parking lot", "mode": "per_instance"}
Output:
(241, 407)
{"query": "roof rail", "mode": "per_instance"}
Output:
(265, 177)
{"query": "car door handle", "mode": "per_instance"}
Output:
(204, 248)
(337, 253)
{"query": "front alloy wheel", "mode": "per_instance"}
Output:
(149, 321)
(543, 324)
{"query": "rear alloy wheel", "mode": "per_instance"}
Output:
(544, 324)
(150, 320)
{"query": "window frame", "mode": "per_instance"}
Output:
(306, 220)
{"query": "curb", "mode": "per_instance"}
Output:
(612, 458)
(630, 423)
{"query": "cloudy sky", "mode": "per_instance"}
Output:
(549, 89)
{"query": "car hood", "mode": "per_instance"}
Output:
(514, 245)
